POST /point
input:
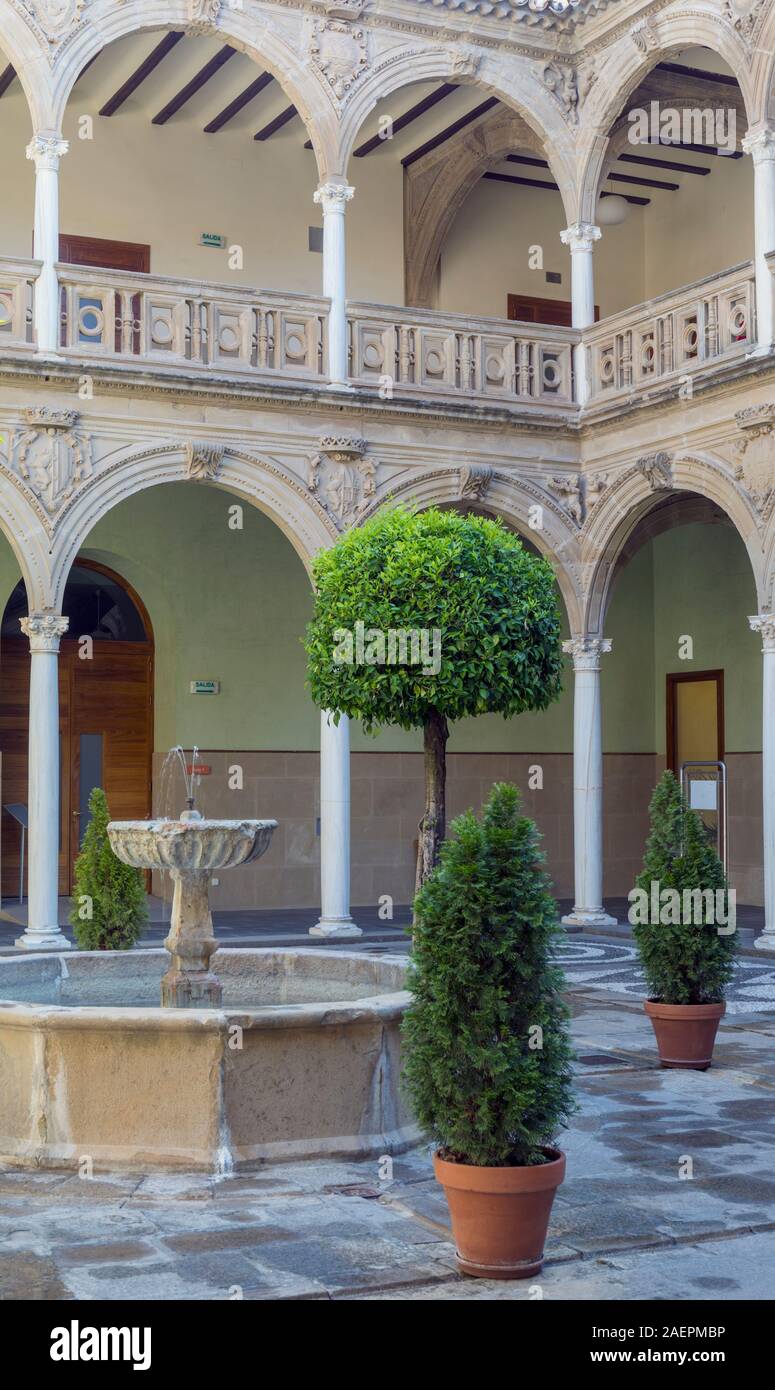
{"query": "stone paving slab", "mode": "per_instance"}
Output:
(629, 1222)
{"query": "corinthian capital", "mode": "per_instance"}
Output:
(47, 150)
(587, 651)
(760, 144)
(765, 624)
(333, 196)
(44, 630)
(580, 236)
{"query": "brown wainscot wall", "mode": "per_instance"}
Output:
(387, 792)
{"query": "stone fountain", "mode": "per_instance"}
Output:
(281, 1054)
(192, 849)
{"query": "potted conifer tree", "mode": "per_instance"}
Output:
(109, 907)
(487, 1065)
(683, 922)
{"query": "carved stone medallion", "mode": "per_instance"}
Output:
(340, 52)
(756, 455)
(51, 456)
(342, 477)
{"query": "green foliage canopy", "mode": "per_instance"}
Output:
(109, 905)
(487, 1058)
(493, 603)
(688, 961)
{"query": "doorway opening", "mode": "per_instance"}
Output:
(105, 711)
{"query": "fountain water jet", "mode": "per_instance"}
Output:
(192, 849)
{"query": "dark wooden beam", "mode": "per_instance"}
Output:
(235, 106)
(6, 78)
(542, 183)
(694, 149)
(413, 114)
(663, 164)
(629, 198)
(277, 124)
(443, 135)
(139, 75)
(701, 74)
(644, 182)
(623, 178)
(198, 81)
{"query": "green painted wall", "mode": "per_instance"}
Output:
(232, 605)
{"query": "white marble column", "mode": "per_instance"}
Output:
(760, 144)
(333, 198)
(587, 783)
(581, 237)
(335, 919)
(44, 631)
(46, 150)
(764, 623)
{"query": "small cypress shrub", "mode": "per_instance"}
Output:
(118, 905)
(487, 1058)
(689, 960)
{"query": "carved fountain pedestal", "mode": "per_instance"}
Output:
(192, 849)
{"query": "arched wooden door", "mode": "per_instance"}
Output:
(105, 711)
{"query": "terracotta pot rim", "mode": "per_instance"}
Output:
(656, 1009)
(470, 1177)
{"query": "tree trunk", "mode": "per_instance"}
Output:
(433, 823)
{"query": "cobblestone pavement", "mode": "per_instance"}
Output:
(626, 1223)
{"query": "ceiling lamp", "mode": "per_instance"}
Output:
(612, 209)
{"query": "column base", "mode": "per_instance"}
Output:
(580, 917)
(335, 927)
(763, 350)
(765, 942)
(340, 386)
(45, 939)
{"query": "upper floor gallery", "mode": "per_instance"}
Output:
(549, 206)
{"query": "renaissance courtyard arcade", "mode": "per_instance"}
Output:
(289, 263)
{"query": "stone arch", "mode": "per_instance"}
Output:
(629, 63)
(436, 188)
(264, 43)
(632, 496)
(510, 498)
(26, 54)
(26, 528)
(515, 83)
(260, 481)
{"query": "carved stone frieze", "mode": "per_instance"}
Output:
(567, 486)
(203, 461)
(343, 477)
(475, 479)
(203, 16)
(745, 16)
(755, 454)
(54, 18)
(569, 86)
(50, 455)
(340, 51)
(657, 470)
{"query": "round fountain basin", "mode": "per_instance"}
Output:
(302, 1060)
(193, 846)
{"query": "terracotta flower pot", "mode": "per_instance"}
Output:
(685, 1033)
(500, 1215)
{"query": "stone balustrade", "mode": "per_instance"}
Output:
(17, 279)
(128, 318)
(423, 352)
(673, 335)
(113, 314)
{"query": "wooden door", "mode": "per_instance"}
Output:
(109, 698)
(528, 309)
(695, 718)
(109, 734)
(103, 253)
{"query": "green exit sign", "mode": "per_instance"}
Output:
(205, 687)
(211, 239)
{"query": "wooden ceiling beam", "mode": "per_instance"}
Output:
(6, 78)
(277, 124)
(198, 81)
(235, 106)
(139, 75)
(444, 135)
(543, 183)
(413, 114)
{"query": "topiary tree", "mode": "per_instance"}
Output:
(487, 1062)
(109, 907)
(681, 911)
(425, 617)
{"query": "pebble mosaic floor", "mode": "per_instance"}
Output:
(607, 965)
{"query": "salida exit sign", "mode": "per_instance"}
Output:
(205, 687)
